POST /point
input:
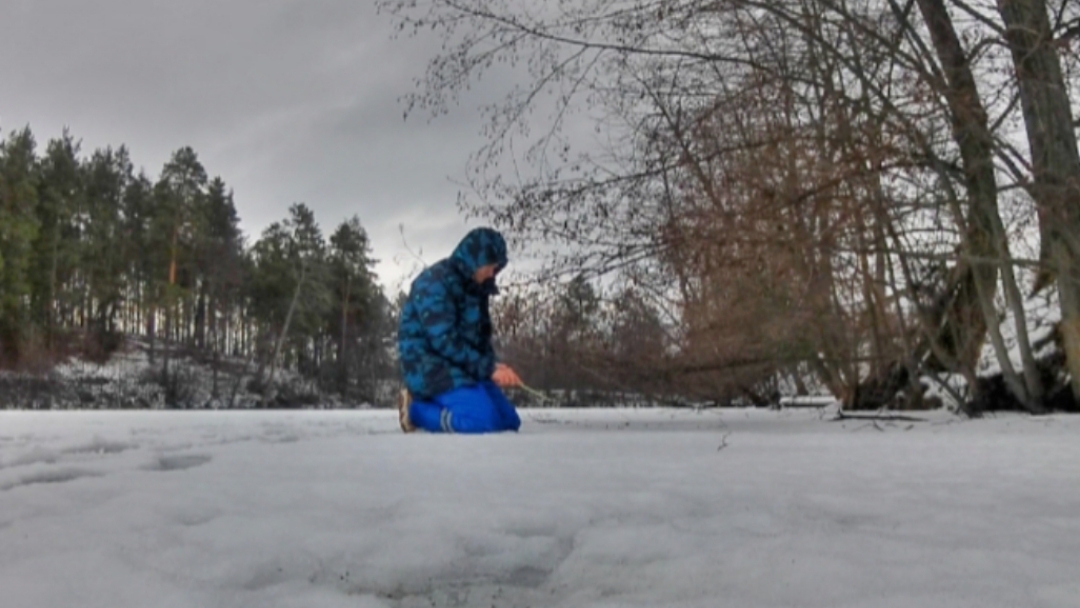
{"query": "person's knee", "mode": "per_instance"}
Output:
(473, 424)
(474, 416)
(425, 415)
(506, 415)
(479, 409)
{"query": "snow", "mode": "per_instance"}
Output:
(583, 508)
(127, 380)
(1042, 313)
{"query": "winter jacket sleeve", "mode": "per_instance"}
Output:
(436, 310)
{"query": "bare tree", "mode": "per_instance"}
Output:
(1055, 161)
(825, 168)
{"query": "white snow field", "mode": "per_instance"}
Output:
(608, 508)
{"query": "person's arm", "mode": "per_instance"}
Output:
(506, 377)
(502, 375)
(487, 348)
(439, 318)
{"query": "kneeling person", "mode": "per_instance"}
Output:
(444, 342)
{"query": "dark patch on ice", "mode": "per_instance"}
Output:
(265, 577)
(54, 476)
(33, 457)
(284, 438)
(101, 446)
(195, 516)
(526, 576)
(524, 585)
(279, 433)
(466, 593)
(176, 447)
(178, 462)
(530, 531)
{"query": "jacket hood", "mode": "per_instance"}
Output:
(480, 247)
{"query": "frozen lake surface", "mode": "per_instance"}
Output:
(581, 509)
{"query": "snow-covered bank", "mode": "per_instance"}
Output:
(127, 380)
(583, 508)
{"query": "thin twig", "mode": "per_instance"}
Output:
(723, 441)
(875, 417)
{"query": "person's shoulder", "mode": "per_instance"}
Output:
(436, 274)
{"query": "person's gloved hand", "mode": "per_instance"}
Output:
(505, 377)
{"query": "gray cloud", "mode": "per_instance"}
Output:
(287, 100)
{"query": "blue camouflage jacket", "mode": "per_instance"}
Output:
(444, 340)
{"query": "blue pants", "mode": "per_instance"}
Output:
(475, 409)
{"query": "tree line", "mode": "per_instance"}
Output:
(93, 251)
(853, 194)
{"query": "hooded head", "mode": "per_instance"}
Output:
(480, 247)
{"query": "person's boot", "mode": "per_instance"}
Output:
(404, 401)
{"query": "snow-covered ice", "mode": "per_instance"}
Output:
(581, 509)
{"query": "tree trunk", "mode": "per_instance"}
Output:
(985, 239)
(166, 345)
(200, 319)
(1054, 158)
(285, 328)
(343, 378)
(151, 330)
(50, 321)
(214, 349)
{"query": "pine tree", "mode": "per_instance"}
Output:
(219, 258)
(289, 287)
(108, 173)
(56, 251)
(18, 231)
(177, 195)
(354, 319)
(137, 221)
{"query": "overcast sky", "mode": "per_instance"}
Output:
(286, 100)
